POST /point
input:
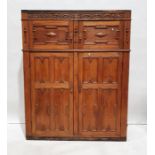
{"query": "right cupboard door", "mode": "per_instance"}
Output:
(99, 94)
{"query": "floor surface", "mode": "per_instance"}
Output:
(135, 145)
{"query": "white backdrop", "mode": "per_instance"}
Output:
(137, 81)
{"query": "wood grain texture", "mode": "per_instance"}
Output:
(124, 104)
(51, 35)
(100, 34)
(76, 68)
(27, 91)
(52, 93)
(99, 97)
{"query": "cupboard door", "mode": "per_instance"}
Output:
(100, 35)
(51, 34)
(52, 94)
(99, 94)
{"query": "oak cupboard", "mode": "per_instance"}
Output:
(76, 74)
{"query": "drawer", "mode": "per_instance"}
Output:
(100, 34)
(51, 34)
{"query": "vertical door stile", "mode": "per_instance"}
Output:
(75, 78)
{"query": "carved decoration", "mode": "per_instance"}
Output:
(51, 15)
(127, 32)
(51, 34)
(100, 34)
(127, 35)
(48, 34)
(25, 35)
(78, 15)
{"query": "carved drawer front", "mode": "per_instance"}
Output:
(100, 34)
(99, 93)
(51, 35)
(52, 94)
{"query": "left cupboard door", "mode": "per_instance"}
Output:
(52, 94)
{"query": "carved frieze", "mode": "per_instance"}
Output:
(82, 15)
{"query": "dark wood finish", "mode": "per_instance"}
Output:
(79, 138)
(76, 66)
(78, 15)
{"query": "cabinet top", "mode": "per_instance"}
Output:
(77, 14)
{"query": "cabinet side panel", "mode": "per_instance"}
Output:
(27, 93)
(124, 105)
(26, 68)
(125, 79)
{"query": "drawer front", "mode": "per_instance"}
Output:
(51, 34)
(100, 34)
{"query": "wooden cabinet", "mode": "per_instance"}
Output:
(76, 74)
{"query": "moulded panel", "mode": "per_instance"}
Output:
(51, 94)
(100, 35)
(99, 110)
(99, 93)
(51, 34)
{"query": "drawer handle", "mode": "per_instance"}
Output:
(100, 34)
(52, 34)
